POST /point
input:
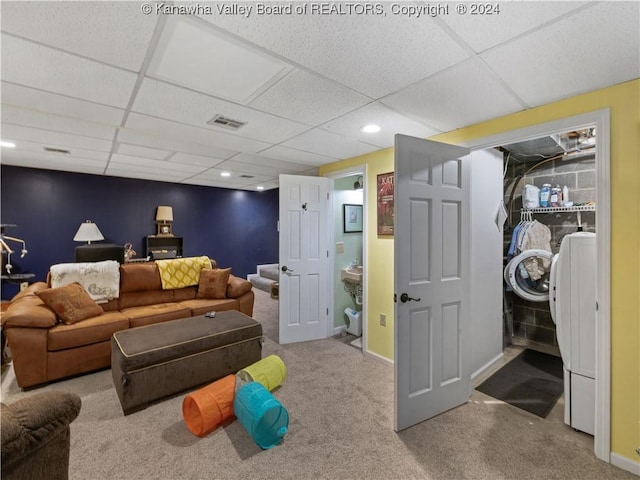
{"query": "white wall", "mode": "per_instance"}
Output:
(486, 259)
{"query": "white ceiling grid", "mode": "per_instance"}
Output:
(129, 94)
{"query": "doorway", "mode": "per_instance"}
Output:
(348, 256)
(600, 121)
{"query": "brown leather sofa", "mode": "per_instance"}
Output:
(44, 349)
(36, 437)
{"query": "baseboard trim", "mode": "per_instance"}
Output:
(487, 366)
(378, 357)
(339, 330)
(625, 463)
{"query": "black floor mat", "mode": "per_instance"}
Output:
(532, 381)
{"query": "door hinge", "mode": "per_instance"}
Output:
(327, 253)
(327, 311)
(327, 195)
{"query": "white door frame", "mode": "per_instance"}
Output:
(601, 120)
(355, 170)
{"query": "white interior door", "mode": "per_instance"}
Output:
(432, 334)
(304, 258)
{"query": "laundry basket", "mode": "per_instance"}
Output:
(270, 372)
(204, 409)
(261, 414)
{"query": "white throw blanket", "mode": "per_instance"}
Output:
(100, 279)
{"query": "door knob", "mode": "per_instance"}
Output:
(286, 269)
(404, 298)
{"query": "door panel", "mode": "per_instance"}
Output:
(432, 320)
(304, 261)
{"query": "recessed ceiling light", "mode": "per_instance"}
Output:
(7, 144)
(225, 174)
(260, 187)
(371, 128)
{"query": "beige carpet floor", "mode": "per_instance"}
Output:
(340, 404)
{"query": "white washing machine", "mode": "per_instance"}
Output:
(573, 309)
(516, 276)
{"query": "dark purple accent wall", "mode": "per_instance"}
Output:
(237, 228)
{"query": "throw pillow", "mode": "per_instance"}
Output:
(71, 303)
(213, 283)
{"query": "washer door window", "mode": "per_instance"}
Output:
(517, 276)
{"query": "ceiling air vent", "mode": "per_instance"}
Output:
(246, 176)
(225, 122)
(57, 150)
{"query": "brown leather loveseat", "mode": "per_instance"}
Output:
(44, 349)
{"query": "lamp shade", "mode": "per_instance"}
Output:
(164, 214)
(88, 232)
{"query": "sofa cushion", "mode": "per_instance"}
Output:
(200, 306)
(139, 277)
(213, 283)
(141, 299)
(163, 312)
(89, 331)
(71, 303)
(238, 287)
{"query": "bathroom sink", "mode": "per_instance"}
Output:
(351, 274)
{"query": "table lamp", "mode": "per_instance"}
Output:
(88, 232)
(164, 220)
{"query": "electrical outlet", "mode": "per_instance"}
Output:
(383, 320)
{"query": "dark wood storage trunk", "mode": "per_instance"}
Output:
(155, 361)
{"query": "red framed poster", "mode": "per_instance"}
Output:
(385, 204)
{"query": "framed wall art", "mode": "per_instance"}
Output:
(385, 203)
(352, 215)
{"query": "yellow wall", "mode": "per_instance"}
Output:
(624, 103)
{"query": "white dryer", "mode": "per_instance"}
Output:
(572, 300)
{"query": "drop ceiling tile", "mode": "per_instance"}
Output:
(36, 66)
(145, 152)
(329, 144)
(166, 167)
(372, 54)
(573, 55)
(513, 19)
(219, 143)
(112, 32)
(192, 54)
(261, 171)
(75, 153)
(149, 139)
(201, 160)
(187, 106)
(389, 121)
(17, 133)
(293, 155)
(56, 123)
(18, 95)
(308, 99)
(272, 163)
(145, 174)
(451, 99)
(52, 161)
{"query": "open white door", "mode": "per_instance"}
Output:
(304, 258)
(432, 334)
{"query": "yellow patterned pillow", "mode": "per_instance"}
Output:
(181, 272)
